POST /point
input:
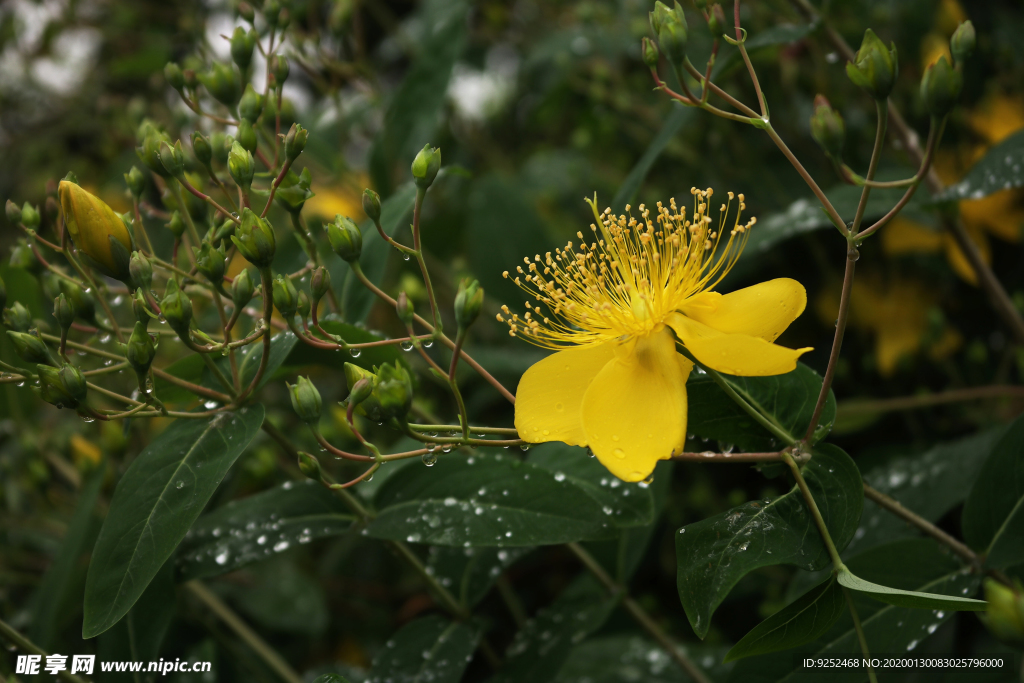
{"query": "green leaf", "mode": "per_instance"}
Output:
(430, 649)
(1000, 169)
(469, 573)
(280, 597)
(487, 500)
(788, 399)
(331, 678)
(911, 564)
(259, 526)
(715, 553)
(49, 600)
(902, 598)
(993, 519)
(542, 646)
(412, 116)
(357, 300)
(627, 192)
(626, 504)
(155, 503)
(630, 659)
(930, 483)
(803, 620)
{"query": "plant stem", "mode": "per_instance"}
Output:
(638, 613)
(813, 507)
(746, 60)
(709, 456)
(418, 251)
(860, 634)
(833, 215)
(20, 641)
(242, 630)
(858, 407)
(892, 505)
(760, 418)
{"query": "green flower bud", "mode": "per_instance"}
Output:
(176, 308)
(280, 69)
(255, 239)
(283, 19)
(176, 225)
(23, 257)
(303, 306)
(425, 166)
(224, 232)
(97, 231)
(173, 159)
(393, 390)
(149, 152)
(286, 298)
(293, 191)
(247, 136)
(246, 11)
(962, 43)
(1005, 613)
(29, 216)
(3, 293)
(468, 301)
(404, 309)
(319, 284)
(716, 22)
(30, 347)
(242, 289)
(271, 11)
(221, 144)
(140, 351)
(295, 141)
(251, 105)
(210, 262)
(345, 238)
(368, 406)
(310, 466)
(875, 68)
(361, 391)
(223, 83)
(136, 182)
(17, 317)
(305, 400)
(141, 308)
(828, 128)
(13, 213)
(371, 205)
(241, 165)
(191, 80)
(669, 26)
(81, 300)
(63, 387)
(940, 87)
(174, 76)
(202, 149)
(242, 45)
(64, 312)
(650, 52)
(141, 271)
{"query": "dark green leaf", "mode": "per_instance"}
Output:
(412, 116)
(902, 598)
(48, 601)
(631, 185)
(789, 399)
(631, 659)
(993, 518)
(715, 553)
(999, 169)
(331, 678)
(542, 646)
(626, 504)
(803, 620)
(280, 597)
(470, 572)
(930, 483)
(257, 527)
(487, 500)
(356, 300)
(428, 650)
(155, 503)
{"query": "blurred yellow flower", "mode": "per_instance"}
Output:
(617, 383)
(340, 198)
(896, 313)
(84, 453)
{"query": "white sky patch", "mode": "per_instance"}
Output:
(480, 94)
(73, 55)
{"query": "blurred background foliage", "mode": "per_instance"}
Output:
(535, 105)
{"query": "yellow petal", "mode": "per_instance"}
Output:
(896, 341)
(958, 260)
(904, 236)
(998, 214)
(764, 310)
(734, 354)
(634, 412)
(550, 394)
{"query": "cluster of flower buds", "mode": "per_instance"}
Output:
(669, 27)
(380, 395)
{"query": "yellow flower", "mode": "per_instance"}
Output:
(98, 232)
(617, 383)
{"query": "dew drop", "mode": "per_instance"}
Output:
(180, 485)
(355, 353)
(406, 346)
(429, 458)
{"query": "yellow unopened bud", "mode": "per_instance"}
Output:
(97, 231)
